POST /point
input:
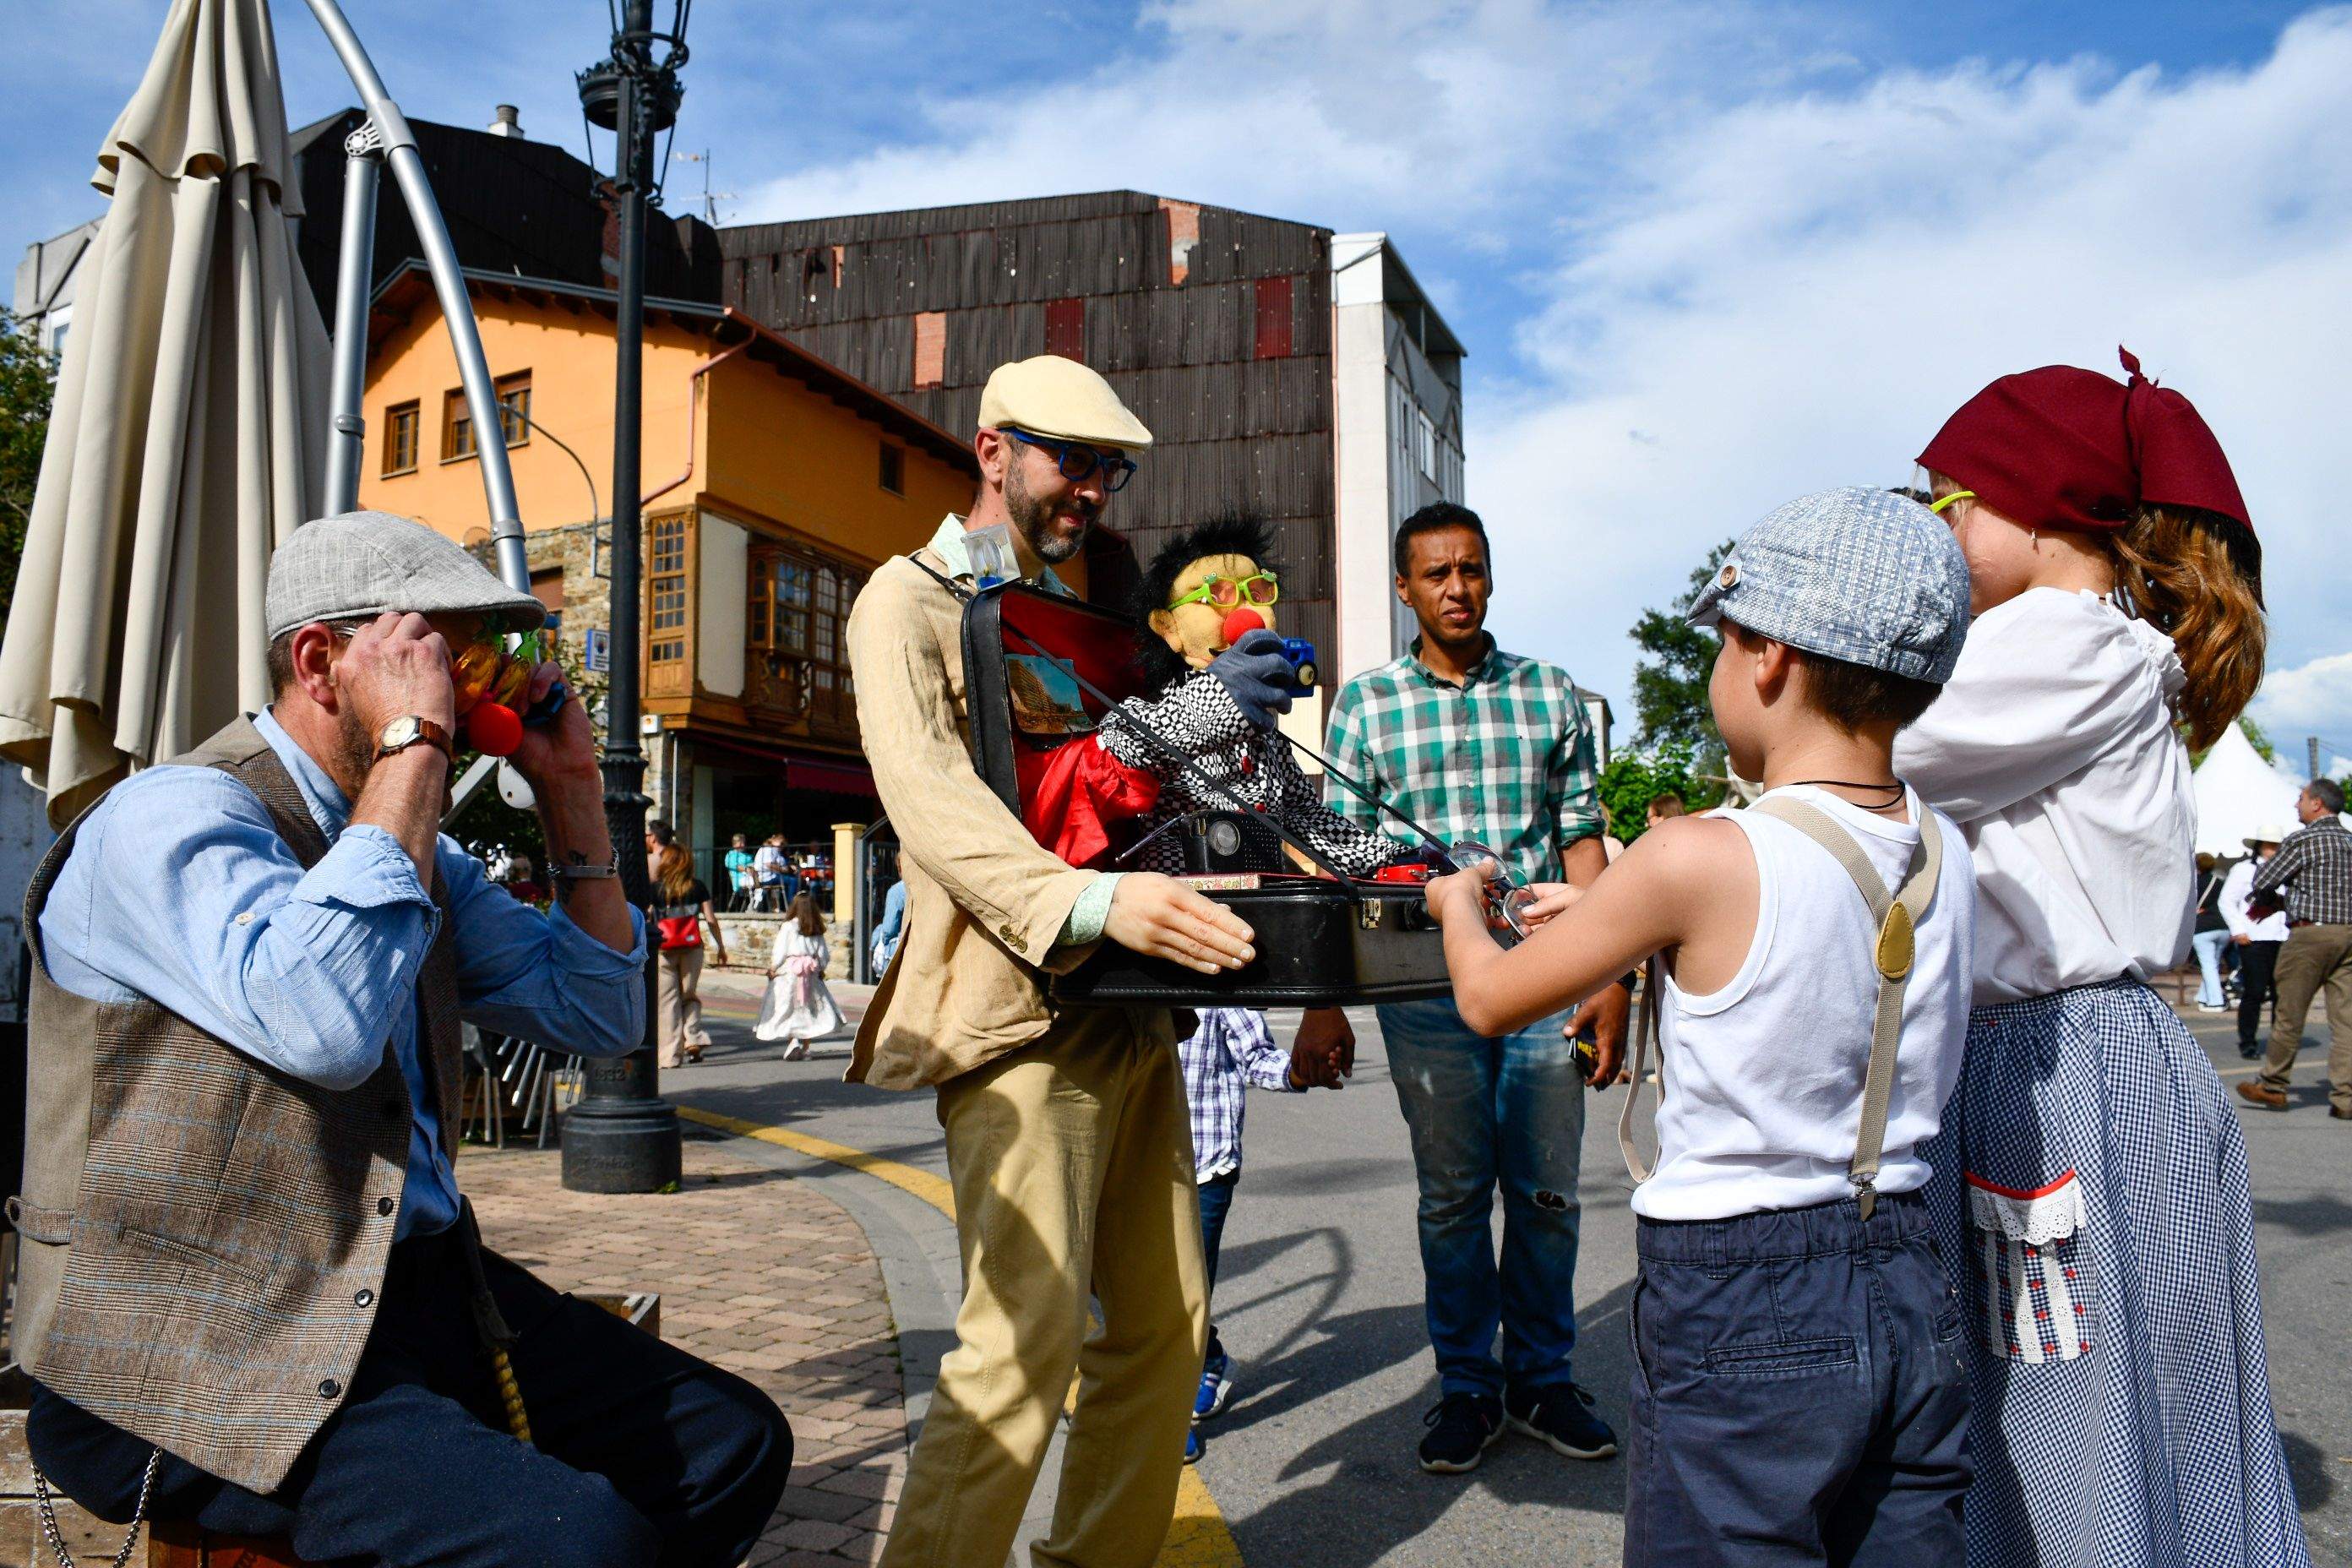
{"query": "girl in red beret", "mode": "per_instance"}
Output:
(2091, 1180)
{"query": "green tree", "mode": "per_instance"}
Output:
(28, 380)
(1670, 686)
(1633, 779)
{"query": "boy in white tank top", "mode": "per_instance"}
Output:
(1798, 1390)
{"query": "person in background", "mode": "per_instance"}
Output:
(1664, 807)
(893, 923)
(658, 838)
(2257, 937)
(739, 873)
(2310, 876)
(770, 875)
(522, 883)
(681, 914)
(2211, 934)
(798, 1007)
(1485, 745)
(2116, 586)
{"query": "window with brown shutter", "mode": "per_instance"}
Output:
(1065, 328)
(665, 575)
(1274, 318)
(400, 438)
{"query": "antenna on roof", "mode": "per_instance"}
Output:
(710, 198)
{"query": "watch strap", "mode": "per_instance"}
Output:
(428, 733)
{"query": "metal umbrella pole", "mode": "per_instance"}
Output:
(621, 1136)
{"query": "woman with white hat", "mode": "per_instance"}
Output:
(2257, 940)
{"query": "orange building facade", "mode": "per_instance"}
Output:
(774, 484)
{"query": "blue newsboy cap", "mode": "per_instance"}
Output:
(1856, 573)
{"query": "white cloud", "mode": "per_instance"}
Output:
(1794, 294)
(2312, 699)
(1730, 262)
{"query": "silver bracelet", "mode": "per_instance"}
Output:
(584, 873)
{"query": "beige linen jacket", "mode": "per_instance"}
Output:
(985, 901)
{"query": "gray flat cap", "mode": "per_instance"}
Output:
(1859, 574)
(367, 563)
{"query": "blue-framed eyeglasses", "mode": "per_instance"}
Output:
(1078, 461)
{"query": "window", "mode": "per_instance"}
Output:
(514, 407)
(931, 349)
(799, 612)
(400, 438)
(457, 426)
(1065, 328)
(513, 393)
(665, 575)
(1425, 446)
(1274, 318)
(894, 468)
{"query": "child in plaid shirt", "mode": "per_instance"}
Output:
(1231, 1050)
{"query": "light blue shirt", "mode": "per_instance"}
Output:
(181, 891)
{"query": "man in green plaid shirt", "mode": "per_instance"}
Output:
(1477, 743)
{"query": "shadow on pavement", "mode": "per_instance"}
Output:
(2308, 1464)
(2306, 1216)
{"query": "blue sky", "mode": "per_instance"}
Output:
(1704, 256)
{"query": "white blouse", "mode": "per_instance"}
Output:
(2053, 746)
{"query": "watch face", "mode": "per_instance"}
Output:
(400, 732)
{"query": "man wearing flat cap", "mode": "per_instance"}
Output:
(1069, 1144)
(250, 1291)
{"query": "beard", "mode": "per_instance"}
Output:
(1034, 518)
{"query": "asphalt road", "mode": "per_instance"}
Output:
(1319, 1303)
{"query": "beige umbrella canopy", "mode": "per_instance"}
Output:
(189, 430)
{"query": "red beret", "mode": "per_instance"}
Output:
(2063, 448)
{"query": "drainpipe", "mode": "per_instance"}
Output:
(700, 370)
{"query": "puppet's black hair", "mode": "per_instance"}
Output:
(1229, 533)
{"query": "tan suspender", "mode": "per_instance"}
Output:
(1898, 919)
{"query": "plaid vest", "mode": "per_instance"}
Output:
(205, 1237)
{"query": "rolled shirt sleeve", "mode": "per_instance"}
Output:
(540, 976)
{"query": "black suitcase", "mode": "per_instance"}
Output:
(1320, 942)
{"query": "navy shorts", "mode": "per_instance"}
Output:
(1798, 1392)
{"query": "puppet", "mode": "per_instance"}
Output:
(1141, 774)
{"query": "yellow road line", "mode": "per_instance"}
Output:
(1198, 1537)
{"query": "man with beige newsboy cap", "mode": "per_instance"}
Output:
(251, 1293)
(1068, 1144)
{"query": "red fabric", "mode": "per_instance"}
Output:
(1074, 794)
(679, 931)
(2064, 447)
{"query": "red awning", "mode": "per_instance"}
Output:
(829, 778)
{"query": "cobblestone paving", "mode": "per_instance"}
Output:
(760, 1275)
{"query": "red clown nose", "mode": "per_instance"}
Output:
(494, 728)
(1240, 622)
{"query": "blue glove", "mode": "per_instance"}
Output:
(1257, 676)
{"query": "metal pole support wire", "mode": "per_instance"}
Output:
(397, 146)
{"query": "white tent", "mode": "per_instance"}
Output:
(2239, 793)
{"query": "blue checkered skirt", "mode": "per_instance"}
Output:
(2093, 1202)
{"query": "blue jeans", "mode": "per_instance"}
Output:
(1483, 1113)
(1799, 1394)
(2208, 945)
(1217, 1198)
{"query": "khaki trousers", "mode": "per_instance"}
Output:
(681, 1008)
(2313, 956)
(1072, 1164)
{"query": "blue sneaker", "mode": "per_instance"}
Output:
(1193, 1446)
(1216, 1387)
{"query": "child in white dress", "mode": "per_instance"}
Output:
(798, 1007)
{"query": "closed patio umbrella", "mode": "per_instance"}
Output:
(188, 434)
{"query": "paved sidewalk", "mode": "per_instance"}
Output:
(761, 1274)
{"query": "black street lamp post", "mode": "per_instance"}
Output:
(623, 1137)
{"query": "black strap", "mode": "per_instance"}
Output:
(1184, 764)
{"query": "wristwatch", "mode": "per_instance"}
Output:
(408, 730)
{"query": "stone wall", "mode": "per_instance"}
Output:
(751, 938)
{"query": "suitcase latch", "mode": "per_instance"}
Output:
(1370, 910)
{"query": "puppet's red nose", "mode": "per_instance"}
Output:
(495, 729)
(1240, 622)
